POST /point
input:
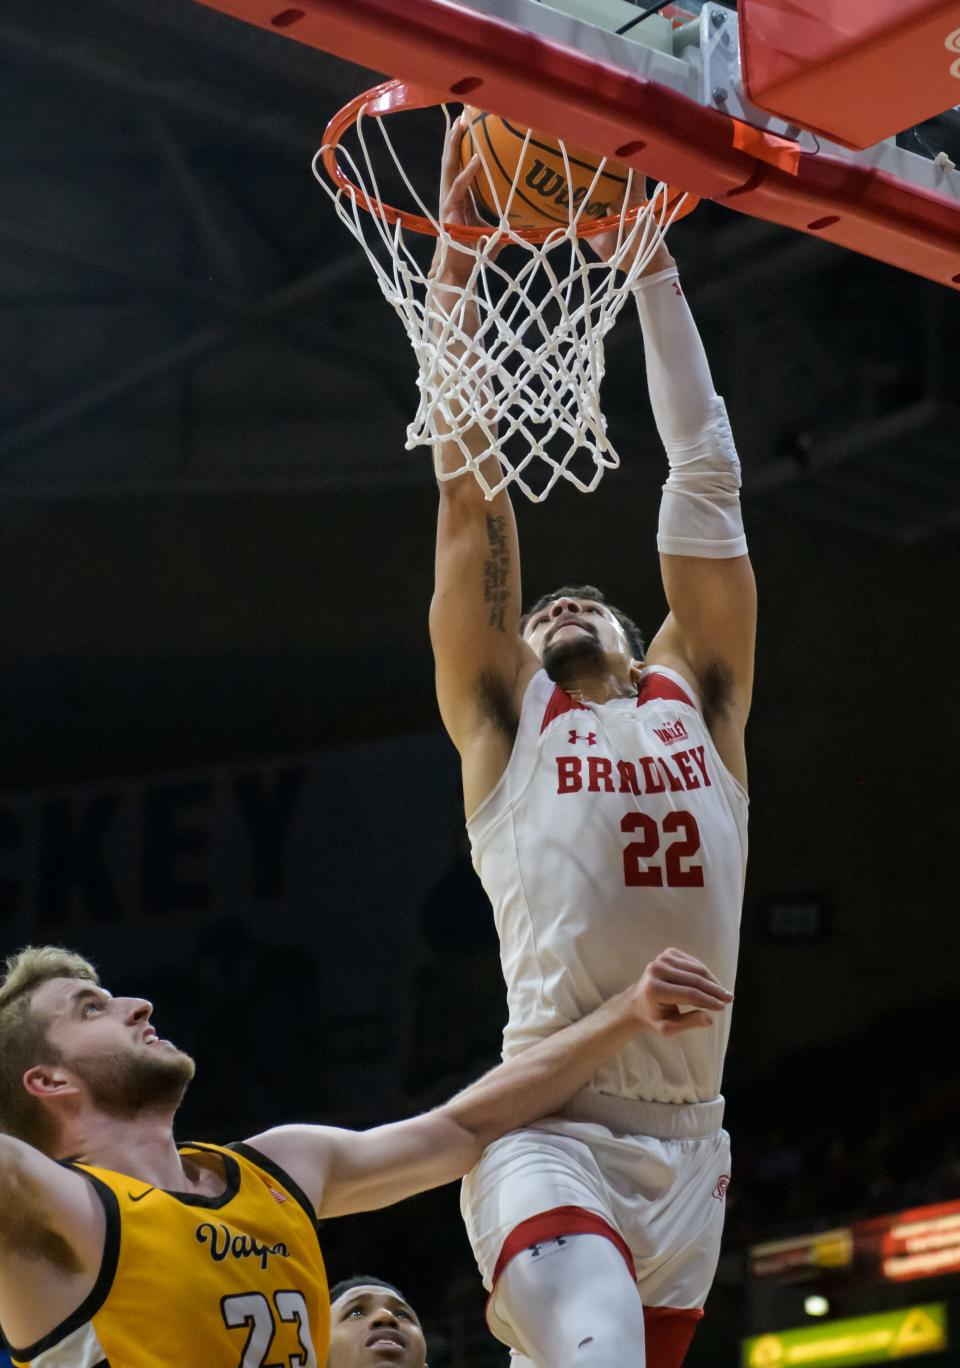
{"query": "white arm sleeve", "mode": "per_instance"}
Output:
(700, 512)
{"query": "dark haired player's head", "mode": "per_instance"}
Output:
(575, 631)
(373, 1324)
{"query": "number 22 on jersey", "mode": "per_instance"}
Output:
(642, 870)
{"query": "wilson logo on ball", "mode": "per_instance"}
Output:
(551, 187)
(530, 179)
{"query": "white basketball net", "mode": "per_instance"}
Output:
(524, 388)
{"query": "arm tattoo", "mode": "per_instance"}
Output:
(496, 570)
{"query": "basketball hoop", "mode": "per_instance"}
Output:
(523, 387)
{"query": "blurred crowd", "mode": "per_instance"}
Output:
(853, 1129)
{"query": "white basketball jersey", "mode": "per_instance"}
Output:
(615, 831)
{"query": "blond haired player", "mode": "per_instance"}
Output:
(606, 805)
(120, 1248)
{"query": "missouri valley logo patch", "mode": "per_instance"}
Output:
(673, 731)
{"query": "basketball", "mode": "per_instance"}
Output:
(546, 196)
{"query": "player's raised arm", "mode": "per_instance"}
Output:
(52, 1229)
(344, 1171)
(707, 577)
(475, 612)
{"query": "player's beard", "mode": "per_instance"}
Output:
(124, 1084)
(573, 659)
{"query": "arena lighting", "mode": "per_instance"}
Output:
(816, 1305)
(924, 1245)
(825, 1249)
(923, 1242)
(908, 1332)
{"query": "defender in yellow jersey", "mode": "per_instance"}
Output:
(121, 1249)
(246, 1263)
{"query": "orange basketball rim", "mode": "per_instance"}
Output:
(393, 97)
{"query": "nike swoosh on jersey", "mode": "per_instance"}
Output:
(139, 1196)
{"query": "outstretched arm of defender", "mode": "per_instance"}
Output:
(475, 613)
(52, 1230)
(344, 1171)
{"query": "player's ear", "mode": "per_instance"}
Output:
(46, 1080)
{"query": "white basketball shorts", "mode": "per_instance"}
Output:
(655, 1174)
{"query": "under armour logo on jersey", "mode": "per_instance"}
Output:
(558, 1243)
(720, 1191)
(574, 737)
(677, 290)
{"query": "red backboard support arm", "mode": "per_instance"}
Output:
(465, 54)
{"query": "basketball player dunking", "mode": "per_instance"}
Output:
(606, 805)
(119, 1247)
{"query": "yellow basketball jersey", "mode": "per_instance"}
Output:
(235, 1281)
